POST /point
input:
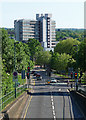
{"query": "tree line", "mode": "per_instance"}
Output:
(63, 34)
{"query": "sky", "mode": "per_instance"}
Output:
(66, 13)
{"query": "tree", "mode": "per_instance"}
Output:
(66, 46)
(22, 56)
(43, 58)
(34, 46)
(59, 62)
(7, 51)
(63, 34)
(82, 56)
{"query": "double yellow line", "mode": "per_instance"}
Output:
(28, 105)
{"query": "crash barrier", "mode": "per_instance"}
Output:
(80, 99)
(6, 99)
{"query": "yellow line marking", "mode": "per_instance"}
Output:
(27, 107)
(34, 82)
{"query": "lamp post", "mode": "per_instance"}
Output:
(77, 67)
(15, 64)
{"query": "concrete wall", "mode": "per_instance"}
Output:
(81, 100)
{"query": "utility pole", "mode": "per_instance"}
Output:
(76, 67)
(15, 73)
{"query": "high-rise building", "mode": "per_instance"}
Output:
(42, 29)
(24, 29)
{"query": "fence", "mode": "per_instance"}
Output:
(6, 99)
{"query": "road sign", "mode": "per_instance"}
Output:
(15, 73)
(23, 74)
(15, 76)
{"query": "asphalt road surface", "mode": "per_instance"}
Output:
(50, 101)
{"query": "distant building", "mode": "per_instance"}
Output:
(42, 29)
(24, 29)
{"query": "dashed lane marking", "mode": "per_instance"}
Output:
(52, 103)
(51, 97)
(53, 107)
(53, 112)
(59, 89)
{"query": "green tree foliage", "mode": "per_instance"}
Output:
(7, 81)
(82, 56)
(63, 34)
(66, 46)
(60, 62)
(22, 56)
(43, 57)
(7, 51)
(34, 46)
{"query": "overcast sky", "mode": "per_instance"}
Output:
(66, 13)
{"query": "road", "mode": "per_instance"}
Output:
(50, 101)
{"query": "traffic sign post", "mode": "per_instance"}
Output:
(76, 78)
(28, 76)
(23, 74)
(15, 79)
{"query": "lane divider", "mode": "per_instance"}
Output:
(53, 108)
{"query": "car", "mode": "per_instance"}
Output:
(53, 81)
(32, 72)
(39, 78)
(38, 75)
(35, 73)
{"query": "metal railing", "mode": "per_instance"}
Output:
(6, 99)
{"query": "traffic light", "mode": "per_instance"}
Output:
(28, 69)
(28, 75)
(71, 75)
(75, 75)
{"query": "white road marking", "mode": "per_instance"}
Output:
(52, 100)
(52, 103)
(53, 107)
(54, 117)
(52, 97)
(53, 112)
(67, 90)
(59, 89)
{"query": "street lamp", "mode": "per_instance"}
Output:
(77, 67)
(14, 64)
